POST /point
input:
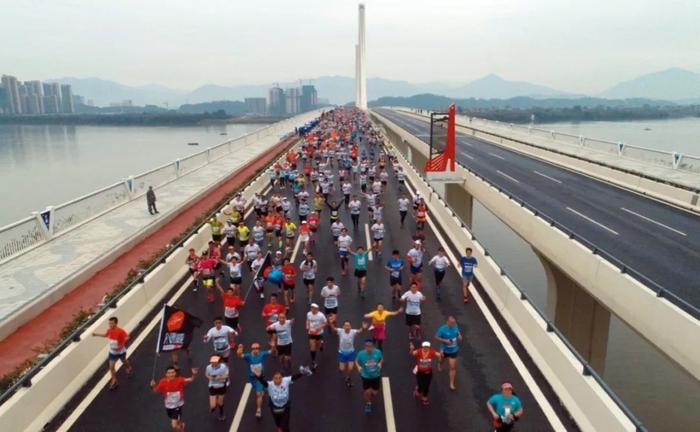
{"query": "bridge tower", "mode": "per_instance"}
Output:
(360, 67)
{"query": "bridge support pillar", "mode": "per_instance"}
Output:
(579, 316)
(461, 201)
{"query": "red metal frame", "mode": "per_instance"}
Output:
(439, 162)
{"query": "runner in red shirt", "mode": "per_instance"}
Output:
(172, 387)
(424, 370)
(269, 222)
(289, 275)
(206, 269)
(232, 303)
(279, 225)
(421, 215)
(314, 223)
(192, 261)
(270, 312)
(117, 350)
(305, 235)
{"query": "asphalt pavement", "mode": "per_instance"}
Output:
(321, 402)
(660, 241)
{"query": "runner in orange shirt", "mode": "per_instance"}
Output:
(117, 350)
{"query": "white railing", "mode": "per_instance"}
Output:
(668, 159)
(29, 232)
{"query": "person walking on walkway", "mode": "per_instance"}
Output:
(151, 200)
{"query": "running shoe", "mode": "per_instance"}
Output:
(258, 414)
(210, 298)
(425, 400)
(262, 296)
(368, 408)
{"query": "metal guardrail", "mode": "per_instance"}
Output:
(586, 368)
(19, 236)
(26, 379)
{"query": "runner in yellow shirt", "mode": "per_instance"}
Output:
(378, 327)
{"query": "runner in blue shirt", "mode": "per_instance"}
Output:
(369, 363)
(255, 359)
(505, 408)
(394, 266)
(449, 335)
(468, 263)
(359, 261)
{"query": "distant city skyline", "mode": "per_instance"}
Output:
(582, 47)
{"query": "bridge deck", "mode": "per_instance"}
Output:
(660, 241)
(322, 402)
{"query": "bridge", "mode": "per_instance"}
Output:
(617, 234)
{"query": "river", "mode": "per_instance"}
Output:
(49, 165)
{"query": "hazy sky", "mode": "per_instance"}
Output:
(581, 46)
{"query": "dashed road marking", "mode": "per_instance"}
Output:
(547, 177)
(592, 221)
(508, 177)
(654, 222)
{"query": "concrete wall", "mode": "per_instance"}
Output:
(653, 317)
(31, 408)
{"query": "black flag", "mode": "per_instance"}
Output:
(176, 327)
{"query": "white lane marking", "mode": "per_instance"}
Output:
(236, 423)
(547, 177)
(388, 405)
(653, 221)
(508, 177)
(530, 382)
(592, 221)
(296, 249)
(497, 156)
(467, 155)
(100, 385)
(369, 242)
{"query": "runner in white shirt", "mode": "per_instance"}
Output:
(315, 323)
(401, 177)
(344, 244)
(383, 178)
(377, 211)
(238, 202)
(330, 294)
(278, 391)
(415, 257)
(377, 186)
(440, 263)
(221, 337)
(347, 190)
(413, 299)
(258, 282)
(308, 268)
(378, 236)
(283, 345)
(404, 202)
(251, 251)
(336, 228)
(346, 348)
(217, 374)
(258, 233)
(286, 206)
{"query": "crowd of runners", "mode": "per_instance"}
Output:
(340, 166)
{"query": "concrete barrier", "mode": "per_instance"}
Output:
(30, 409)
(652, 317)
(586, 400)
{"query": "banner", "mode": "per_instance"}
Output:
(176, 327)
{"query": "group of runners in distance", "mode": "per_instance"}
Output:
(340, 166)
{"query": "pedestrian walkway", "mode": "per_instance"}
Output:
(322, 401)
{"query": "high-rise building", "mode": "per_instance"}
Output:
(52, 98)
(67, 99)
(256, 105)
(35, 92)
(292, 101)
(276, 101)
(14, 101)
(4, 102)
(309, 97)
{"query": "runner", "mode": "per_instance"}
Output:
(303, 210)
(232, 303)
(235, 273)
(290, 231)
(205, 268)
(346, 348)
(449, 335)
(415, 258)
(378, 327)
(468, 264)
(259, 233)
(172, 387)
(283, 339)
(394, 265)
(421, 215)
(270, 313)
(192, 262)
(254, 358)
(359, 261)
(413, 299)
(334, 207)
(309, 267)
(355, 206)
(243, 234)
(230, 232)
(424, 370)
(346, 187)
(505, 408)
(314, 223)
(440, 264)
(315, 323)
(259, 281)
(221, 337)
(401, 177)
(369, 363)
(217, 374)
(344, 247)
(269, 222)
(216, 229)
(403, 202)
(305, 235)
(289, 275)
(336, 228)
(118, 338)
(278, 391)
(330, 294)
(378, 236)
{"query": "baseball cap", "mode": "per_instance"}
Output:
(314, 305)
(506, 385)
(425, 344)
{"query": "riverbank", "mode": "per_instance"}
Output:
(136, 119)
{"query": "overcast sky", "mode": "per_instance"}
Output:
(581, 46)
